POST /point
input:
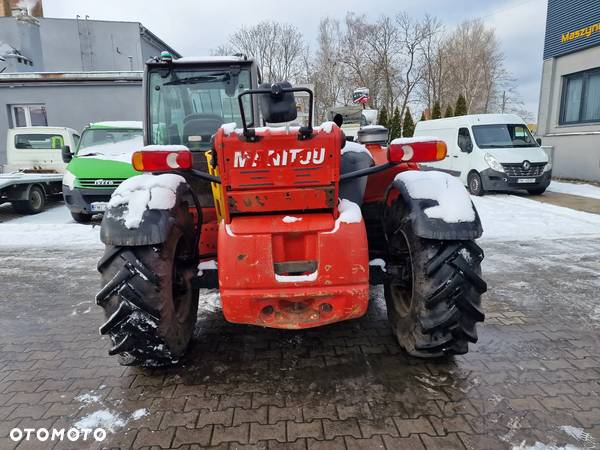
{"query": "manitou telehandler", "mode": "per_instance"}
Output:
(299, 220)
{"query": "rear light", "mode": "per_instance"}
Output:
(161, 161)
(416, 150)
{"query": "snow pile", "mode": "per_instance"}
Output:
(144, 192)
(581, 190)
(327, 127)
(291, 219)
(349, 213)
(165, 148)
(228, 128)
(101, 419)
(114, 151)
(88, 398)
(454, 204)
(356, 148)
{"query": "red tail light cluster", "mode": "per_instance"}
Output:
(161, 161)
(414, 150)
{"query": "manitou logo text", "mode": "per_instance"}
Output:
(279, 158)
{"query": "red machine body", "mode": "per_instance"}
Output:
(286, 257)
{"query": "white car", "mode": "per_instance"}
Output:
(490, 152)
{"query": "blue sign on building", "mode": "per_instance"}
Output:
(571, 25)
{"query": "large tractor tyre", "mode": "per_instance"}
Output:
(149, 299)
(433, 294)
(35, 203)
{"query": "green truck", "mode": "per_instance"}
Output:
(100, 163)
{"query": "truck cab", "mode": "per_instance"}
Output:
(101, 162)
(490, 152)
(38, 148)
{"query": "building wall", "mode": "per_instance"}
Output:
(575, 148)
(61, 45)
(74, 105)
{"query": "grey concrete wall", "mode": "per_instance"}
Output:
(90, 45)
(74, 105)
(59, 45)
(576, 147)
(25, 37)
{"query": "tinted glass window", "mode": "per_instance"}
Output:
(580, 101)
(38, 141)
(503, 136)
(187, 107)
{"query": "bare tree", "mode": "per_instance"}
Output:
(279, 49)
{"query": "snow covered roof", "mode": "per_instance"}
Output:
(118, 124)
(211, 59)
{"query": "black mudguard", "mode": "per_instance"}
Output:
(422, 225)
(155, 227)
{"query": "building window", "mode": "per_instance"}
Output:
(580, 101)
(29, 115)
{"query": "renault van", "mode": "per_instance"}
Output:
(100, 163)
(490, 152)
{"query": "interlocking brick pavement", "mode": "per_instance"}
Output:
(533, 377)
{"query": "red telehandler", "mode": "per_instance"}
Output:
(300, 221)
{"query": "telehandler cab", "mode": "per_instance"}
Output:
(300, 221)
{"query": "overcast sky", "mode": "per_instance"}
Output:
(194, 27)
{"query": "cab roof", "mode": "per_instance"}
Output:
(128, 124)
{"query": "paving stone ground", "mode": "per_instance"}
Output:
(533, 377)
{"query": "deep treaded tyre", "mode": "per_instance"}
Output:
(149, 300)
(433, 296)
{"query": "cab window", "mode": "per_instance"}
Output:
(464, 140)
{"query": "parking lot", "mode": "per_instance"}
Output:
(532, 380)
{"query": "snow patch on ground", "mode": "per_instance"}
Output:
(291, 219)
(139, 413)
(88, 398)
(514, 218)
(454, 204)
(52, 228)
(356, 148)
(144, 192)
(106, 419)
(540, 446)
(581, 190)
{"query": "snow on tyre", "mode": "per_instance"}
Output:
(434, 288)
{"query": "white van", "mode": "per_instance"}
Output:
(490, 152)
